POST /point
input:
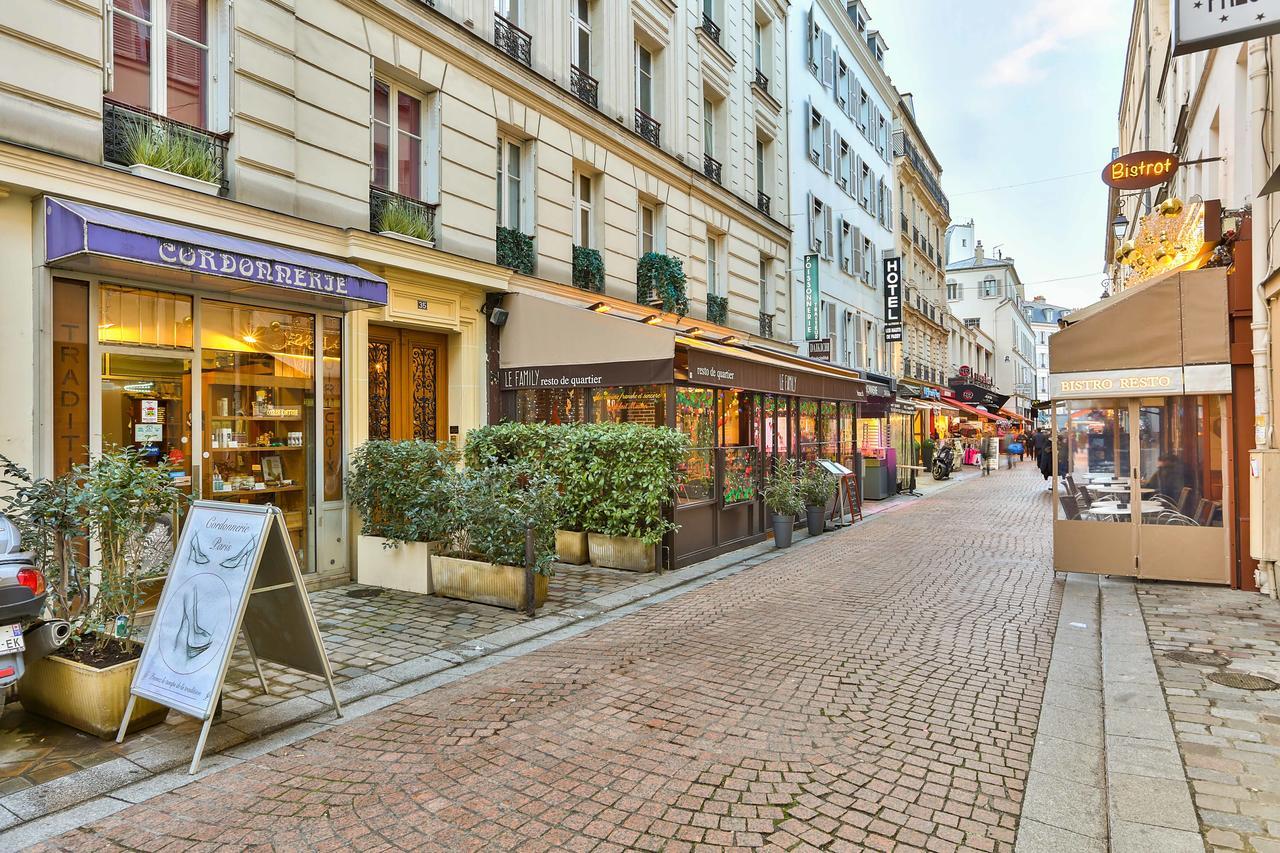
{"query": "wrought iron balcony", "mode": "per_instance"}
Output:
(649, 128)
(126, 129)
(402, 215)
(766, 325)
(711, 167)
(584, 87)
(717, 308)
(761, 82)
(762, 202)
(512, 40)
(711, 28)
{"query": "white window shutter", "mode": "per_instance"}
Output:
(826, 146)
(813, 225)
(858, 260)
(828, 233)
(828, 63)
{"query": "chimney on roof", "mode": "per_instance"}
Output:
(1038, 299)
(977, 252)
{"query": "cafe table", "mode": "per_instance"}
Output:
(1120, 489)
(1115, 510)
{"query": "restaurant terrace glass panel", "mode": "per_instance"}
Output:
(1097, 459)
(810, 445)
(696, 419)
(630, 404)
(551, 405)
(739, 437)
(1180, 460)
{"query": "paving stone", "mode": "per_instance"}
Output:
(1067, 805)
(1144, 757)
(1036, 837)
(1151, 801)
(1129, 837)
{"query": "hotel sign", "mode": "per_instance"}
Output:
(892, 300)
(1203, 24)
(1140, 170)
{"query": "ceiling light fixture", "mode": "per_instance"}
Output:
(652, 320)
(600, 307)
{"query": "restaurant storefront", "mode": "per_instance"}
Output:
(222, 356)
(740, 407)
(1141, 390)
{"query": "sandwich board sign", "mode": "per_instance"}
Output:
(234, 569)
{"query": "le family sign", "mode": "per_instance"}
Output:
(1204, 24)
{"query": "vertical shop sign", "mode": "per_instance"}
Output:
(812, 298)
(70, 374)
(892, 300)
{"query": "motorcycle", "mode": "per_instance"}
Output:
(944, 462)
(24, 638)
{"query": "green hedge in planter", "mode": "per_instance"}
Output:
(492, 508)
(515, 250)
(663, 276)
(403, 489)
(588, 269)
(717, 308)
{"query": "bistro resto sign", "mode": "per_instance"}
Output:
(1140, 170)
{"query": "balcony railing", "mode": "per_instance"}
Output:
(512, 40)
(125, 129)
(762, 202)
(766, 325)
(761, 82)
(402, 215)
(584, 87)
(711, 167)
(717, 308)
(711, 28)
(649, 128)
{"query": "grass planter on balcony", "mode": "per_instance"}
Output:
(161, 149)
(515, 250)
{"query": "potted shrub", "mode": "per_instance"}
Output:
(402, 491)
(926, 450)
(632, 472)
(817, 488)
(491, 511)
(173, 156)
(782, 498)
(125, 505)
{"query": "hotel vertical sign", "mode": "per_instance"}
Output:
(892, 300)
(1203, 24)
(812, 299)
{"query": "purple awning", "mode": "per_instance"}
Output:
(74, 229)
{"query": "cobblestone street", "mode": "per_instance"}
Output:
(878, 688)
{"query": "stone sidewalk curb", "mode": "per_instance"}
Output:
(46, 810)
(1105, 773)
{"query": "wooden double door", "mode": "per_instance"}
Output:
(408, 385)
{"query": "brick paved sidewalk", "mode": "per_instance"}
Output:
(880, 687)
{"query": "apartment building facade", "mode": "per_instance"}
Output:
(248, 230)
(924, 214)
(841, 165)
(1044, 318)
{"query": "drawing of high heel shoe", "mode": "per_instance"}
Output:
(197, 638)
(198, 556)
(241, 557)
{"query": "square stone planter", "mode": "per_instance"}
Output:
(484, 583)
(85, 698)
(173, 179)
(622, 552)
(571, 547)
(406, 567)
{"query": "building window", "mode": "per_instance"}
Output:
(584, 222)
(953, 290)
(160, 57)
(761, 46)
(648, 232)
(714, 285)
(580, 25)
(989, 287)
(816, 125)
(766, 291)
(397, 141)
(644, 80)
(761, 171)
(708, 127)
(510, 184)
(843, 165)
(511, 10)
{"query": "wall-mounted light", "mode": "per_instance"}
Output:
(691, 333)
(600, 307)
(652, 320)
(1120, 224)
(732, 340)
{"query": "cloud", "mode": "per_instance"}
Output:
(1049, 26)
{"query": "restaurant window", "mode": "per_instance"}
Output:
(738, 422)
(828, 431)
(630, 404)
(511, 184)
(160, 57)
(810, 446)
(1180, 460)
(398, 133)
(551, 405)
(258, 376)
(1095, 440)
(696, 419)
(848, 441)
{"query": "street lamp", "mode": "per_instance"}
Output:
(1120, 225)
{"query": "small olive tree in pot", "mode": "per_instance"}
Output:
(782, 498)
(817, 488)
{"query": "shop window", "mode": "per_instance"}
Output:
(70, 374)
(828, 431)
(146, 406)
(551, 406)
(161, 57)
(133, 316)
(630, 404)
(258, 377)
(696, 418)
(848, 444)
(399, 133)
(331, 361)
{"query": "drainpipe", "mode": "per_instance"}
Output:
(1259, 100)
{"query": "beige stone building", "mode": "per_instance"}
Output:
(923, 217)
(290, 215)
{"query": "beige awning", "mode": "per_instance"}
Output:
(725, 366)
(549, 344)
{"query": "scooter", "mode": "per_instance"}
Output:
(24, 638)
(944, 462)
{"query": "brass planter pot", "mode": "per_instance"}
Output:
(91, 700)
(622, 552)
(484, 583)
(571, 547)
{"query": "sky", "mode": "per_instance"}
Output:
(1010, 93)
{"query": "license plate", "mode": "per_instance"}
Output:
(11, 640)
